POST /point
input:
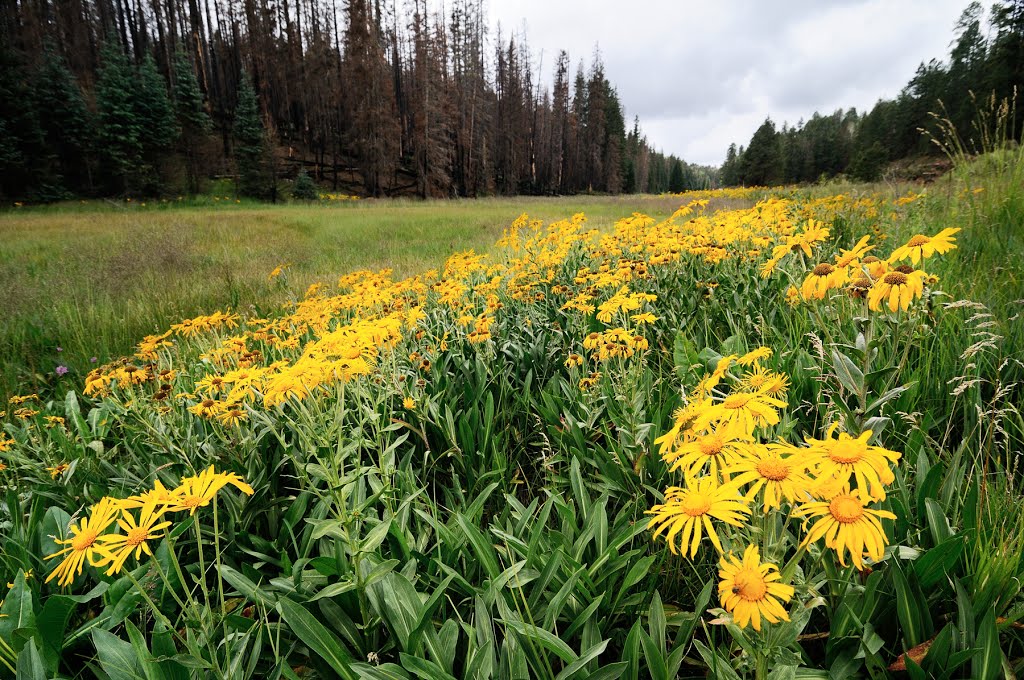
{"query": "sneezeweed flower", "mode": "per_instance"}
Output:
(196, 492)
(232, 417)
(158, 496)
(688, 511)
(847, 257)
(136, 536)
(408, 403)
(683, 418)
(897, 289)
(748, 410)
(83, 544)
(847, 525)
(840, 459)
(792, 296)
(777, 469)
(751, 590)
(57, 470)
(718, 449)
(823, 278)
(754, 356)
(921, 247)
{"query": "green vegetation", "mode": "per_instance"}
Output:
(93, 278)
(445, 477)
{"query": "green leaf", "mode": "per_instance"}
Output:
(937, 522)
(935, 566)
(17, 614)
(375, 537)
(315, 636)
(425, 615)
(387, 671)
(910, 609)
(482, 548)
(428, 670)
(545, 639)
(656, 623)
(687, 629)
(581, 663)
(657, 667)
(30, 663)
(117, 657)
(246, 587)
(612, 671)
(851, 377)
(718, 666)
(987, 664)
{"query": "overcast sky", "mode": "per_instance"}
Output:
(703, 74)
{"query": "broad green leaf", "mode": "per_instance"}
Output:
(117, 657)
(314, 635)
(30, 663)
(18, 614)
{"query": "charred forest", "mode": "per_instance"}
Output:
(375, 98)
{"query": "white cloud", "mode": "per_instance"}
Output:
(701, 75)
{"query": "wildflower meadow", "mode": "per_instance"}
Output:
(779, 439)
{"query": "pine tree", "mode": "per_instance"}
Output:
(160, 129)
(676, 181)
(762, 162)
(21, 137)
(250, 143)
(66, 127)
(192, 119)
(304, 188)
(119, 130)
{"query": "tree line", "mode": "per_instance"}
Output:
(986, 61)
(150, 97)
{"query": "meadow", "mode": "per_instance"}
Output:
(730, 435)
(92, 278)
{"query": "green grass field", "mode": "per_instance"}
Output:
(93, 278)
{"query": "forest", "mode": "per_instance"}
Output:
(112, 98)
(985, 66)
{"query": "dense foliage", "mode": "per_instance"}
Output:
(460, 474)
(986, 65)
(113, 98)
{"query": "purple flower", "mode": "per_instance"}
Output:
(92, 360)
(59, 348)
(61, 370)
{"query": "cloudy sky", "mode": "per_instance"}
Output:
(703, 74)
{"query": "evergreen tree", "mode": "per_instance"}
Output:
(119, 130)
(676, 180)
(731, 167)
(66, 127)
(250, 143)
(21, 138)
(762, 162)
(304, 188)
(160, 129)
(192, 119)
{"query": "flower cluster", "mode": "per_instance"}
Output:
(732, 469)
(881, 282)
(135, 521)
